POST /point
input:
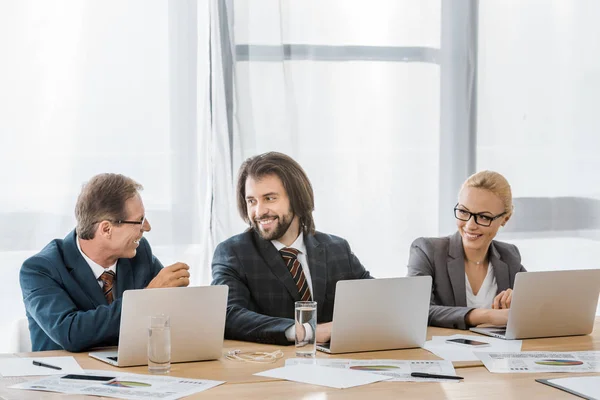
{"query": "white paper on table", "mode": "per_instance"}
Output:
(323, 376)
(537, 361)
(455, 352)
(124, 386)
(591, 357)
(23, 366)
(588, 386)
(398, 370)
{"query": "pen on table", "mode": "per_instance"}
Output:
(435, 376)
(41, 364)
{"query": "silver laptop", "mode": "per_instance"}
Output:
(197, 317)
(379, 314)
(550, 303)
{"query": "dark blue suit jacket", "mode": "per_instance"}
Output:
(262, 291)
(64, 303)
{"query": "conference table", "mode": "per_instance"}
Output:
(243, 384)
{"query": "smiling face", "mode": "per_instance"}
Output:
(269, 209)
(479, 201)
(125, 238)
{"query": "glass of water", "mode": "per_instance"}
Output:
(306, 328)
(159, 344)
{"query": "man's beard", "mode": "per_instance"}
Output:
(282, 225)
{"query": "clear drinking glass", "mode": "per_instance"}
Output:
(159, 344)
(306, 328)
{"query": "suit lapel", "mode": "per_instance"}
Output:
(124, 277)
(316, 256)
(81, 271)
(456, 270)
(500, 269)
(275, 262)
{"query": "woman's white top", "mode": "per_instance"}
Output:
(487, 292)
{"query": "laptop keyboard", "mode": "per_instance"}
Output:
(112, 358)
(325, 345)
(503, 332)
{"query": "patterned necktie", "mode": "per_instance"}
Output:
(107, 279)
(290, 257)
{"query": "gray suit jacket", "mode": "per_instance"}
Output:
(443, 260)
(262, 291)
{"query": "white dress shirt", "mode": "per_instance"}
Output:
(487, 291)
(97, 269)
(299, 245)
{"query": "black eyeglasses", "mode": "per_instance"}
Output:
(480, 219)
(122, 221)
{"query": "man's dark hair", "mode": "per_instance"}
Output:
(293, 178)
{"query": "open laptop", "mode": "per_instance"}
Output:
(550, 303)
(379, 314)
(197, 317)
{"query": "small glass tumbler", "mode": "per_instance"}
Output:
(159, 344)
(306, 328)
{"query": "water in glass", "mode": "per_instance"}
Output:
(306, 318)
(159, 347)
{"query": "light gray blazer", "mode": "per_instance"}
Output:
(443, 259)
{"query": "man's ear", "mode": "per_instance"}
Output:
(104, 229)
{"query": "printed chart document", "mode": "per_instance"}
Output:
(323, 376)
(122, 386)
(541, 361)
(455, 352)
(397, 370)
(587, 387)
(23, 366)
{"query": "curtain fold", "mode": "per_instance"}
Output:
(353, 94)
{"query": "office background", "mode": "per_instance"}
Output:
(389, 105)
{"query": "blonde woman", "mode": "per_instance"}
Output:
(473, 274)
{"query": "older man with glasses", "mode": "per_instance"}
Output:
(473, 274)
(72, 289)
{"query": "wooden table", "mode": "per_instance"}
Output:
(241, 383)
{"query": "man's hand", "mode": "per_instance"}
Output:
(300, 332)
(176, 275)
(324, 332)
(503, 299)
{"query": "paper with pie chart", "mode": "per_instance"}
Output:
(121, 385)
(399, 370)
(540, 361)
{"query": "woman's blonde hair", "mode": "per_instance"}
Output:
(495, 183)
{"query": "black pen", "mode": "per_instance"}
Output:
(41, 364)
(426, 375)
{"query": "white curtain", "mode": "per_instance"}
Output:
(103, 86)
(352, 93)
(387, 104)
(538, 124)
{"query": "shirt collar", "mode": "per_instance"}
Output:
(97, 269)
(298, 244)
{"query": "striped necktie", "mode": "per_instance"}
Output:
(107, 279)
(290, 257)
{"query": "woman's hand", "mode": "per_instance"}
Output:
(481, 316)
(502, 300)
